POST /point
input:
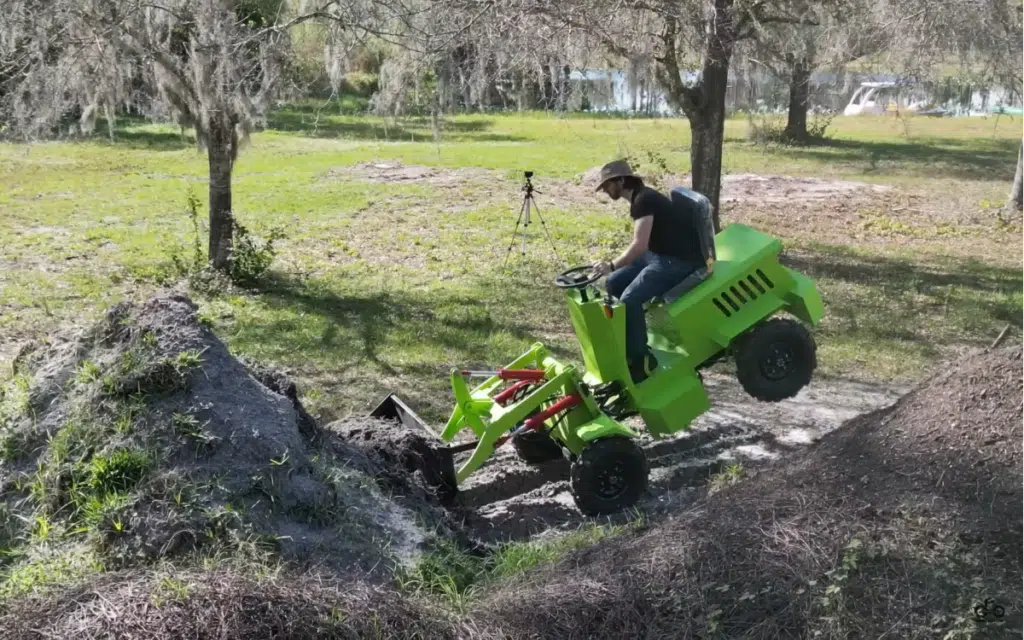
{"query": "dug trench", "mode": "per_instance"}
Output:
(509, 499)
(858, 511)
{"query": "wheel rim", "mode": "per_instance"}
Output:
(778, 362)
(612, 481)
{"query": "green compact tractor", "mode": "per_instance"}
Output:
(549, 409)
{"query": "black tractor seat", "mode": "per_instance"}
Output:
(683, 197)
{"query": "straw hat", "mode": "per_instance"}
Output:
(615, 169)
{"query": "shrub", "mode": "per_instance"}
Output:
(251, 256)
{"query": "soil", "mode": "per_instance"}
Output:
(509, 499)
(860, 511)
(903, 522)
(393, 171)
(231, 438)
(512, 500)
(226, 603)
(749, 187)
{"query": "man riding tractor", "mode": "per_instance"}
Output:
(666, 249)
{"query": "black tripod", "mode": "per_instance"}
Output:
(524, 212)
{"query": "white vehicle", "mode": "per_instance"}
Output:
(879, 98)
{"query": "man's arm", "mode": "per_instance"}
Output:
(641, 238)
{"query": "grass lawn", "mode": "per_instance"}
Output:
(386, 284)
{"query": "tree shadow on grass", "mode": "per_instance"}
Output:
(990, 160)
(973, 298)
(131, 132)
(306, 122)
(377, 315)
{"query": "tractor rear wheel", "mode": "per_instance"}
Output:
(609, 475)
(535, 447)
(776, 360)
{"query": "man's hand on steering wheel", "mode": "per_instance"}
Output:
(602, 268)
(578, 277)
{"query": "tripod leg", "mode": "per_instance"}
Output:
(543, 224)
(513, 242)
(526, 224)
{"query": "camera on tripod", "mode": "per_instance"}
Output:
(524, 218)
(527, 185)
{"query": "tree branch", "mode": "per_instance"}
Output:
(688, 98)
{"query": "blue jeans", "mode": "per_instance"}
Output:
(649, 276)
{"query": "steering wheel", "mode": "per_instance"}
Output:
(574, 279)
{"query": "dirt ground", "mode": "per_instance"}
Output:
(393, 171)
(509, 499)
(512, 500)
(904, 522)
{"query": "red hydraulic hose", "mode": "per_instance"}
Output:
(503, 396)
(537, 421)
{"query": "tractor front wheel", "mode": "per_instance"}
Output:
(535, 447)
(609, 475)
(775, 360)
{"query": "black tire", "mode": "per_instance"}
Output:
(535, 447)
(776, 359)
(609, 475)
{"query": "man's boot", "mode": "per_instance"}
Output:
(642, 367)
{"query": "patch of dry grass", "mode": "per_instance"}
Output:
(224, 603)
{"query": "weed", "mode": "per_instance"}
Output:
(882, 223)
(516, 557)
(448, 571)
(817, 128)
(39, 574)
(118, 472)
(169, 590)
(88, 372)
(455, 575)
(281, 461)
(188, 425)
(727, 477)
(136, 375)
(15, 398)
(833, 600)
(196, 269)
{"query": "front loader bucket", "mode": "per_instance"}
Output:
(437, 462)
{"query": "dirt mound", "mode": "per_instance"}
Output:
(901, 523)
(143, 437)
(224, 604)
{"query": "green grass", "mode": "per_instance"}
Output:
(384, 286)
(455, 575)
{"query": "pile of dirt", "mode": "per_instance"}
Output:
(143, 437)
(224, 604)
(902, 523)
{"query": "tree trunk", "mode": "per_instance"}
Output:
(547, 88)
(221, 154)
(799, 92)
(707, 128)
(1016, 192)
(707, 118)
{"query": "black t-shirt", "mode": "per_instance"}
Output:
(675, 226)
